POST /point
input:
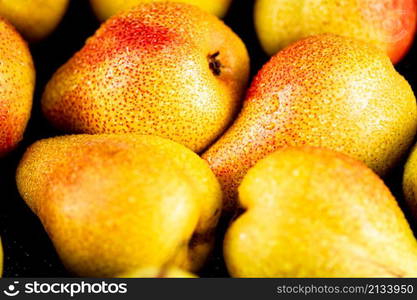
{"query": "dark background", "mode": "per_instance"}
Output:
(28, 250)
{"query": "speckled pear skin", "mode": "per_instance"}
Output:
(107, 8)
(35, 19)
(388, 24)
(113, 204)
(316, 213)
(17, 82)
(326, 91)
(148, 71)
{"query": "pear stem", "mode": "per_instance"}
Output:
(215, 64)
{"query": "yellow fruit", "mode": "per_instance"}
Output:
(17, 82)
(157, 272)
(410, 181)
(35, 19)
(311, 212)
(165, 69)
(388, 24)
(327, 91)
(113, 204)
(107, 8)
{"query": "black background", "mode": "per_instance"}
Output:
(28, 250)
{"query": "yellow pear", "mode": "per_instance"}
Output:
(17, 82)
(107, 8)
(389, 25)
(410, 181)
(157, 272)
(113, 204)
(166, 69)
(311, 212)
(35, 19)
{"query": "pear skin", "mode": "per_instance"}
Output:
(326, 91)
(165, 69)
(34, 19)
(104, 9)
(311, 212)
(158, 272)
(390, 25)
(113, 204)
(410, 182)
(17, 78)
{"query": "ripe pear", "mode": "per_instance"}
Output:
(410, 181)
(325, 90)
(35, 19)
(17, 82)
(158, 272)
(104, 9)
(113, 204)
(388, 24)
(166, 69)
(312, 212)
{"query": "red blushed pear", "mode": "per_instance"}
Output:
(165, 69)
(17, 82)
(390, 25)
(328, 91)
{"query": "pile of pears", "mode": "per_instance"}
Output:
(166, 138)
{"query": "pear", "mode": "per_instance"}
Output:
(165, 69)
(35, 19)
(311, 212)
(107, 8)
(17, 83)
(158, 272)
(388, 24)
(327, 91)
(113, 204)
(410, 182)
